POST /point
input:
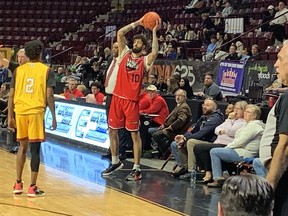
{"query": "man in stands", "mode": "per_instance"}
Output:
(73, 92)
(202, 132)
(211, 89)
(177, 122)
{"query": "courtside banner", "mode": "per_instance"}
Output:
(230, 76)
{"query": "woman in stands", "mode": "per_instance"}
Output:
(245, 144)
(185, 85)
(225, 135)
(172, 86)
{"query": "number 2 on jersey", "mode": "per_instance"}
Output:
(29, 85)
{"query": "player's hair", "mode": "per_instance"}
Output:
(142, 38)
(33, 49)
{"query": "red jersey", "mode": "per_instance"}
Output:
(76, 93)
(129, 78)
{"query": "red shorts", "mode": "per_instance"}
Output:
(123, 113)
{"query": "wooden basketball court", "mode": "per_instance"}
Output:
(68, 195)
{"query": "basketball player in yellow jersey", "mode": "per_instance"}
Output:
(31, 91)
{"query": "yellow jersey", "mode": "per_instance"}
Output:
(30, 88)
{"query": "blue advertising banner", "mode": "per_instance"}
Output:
(230, 76)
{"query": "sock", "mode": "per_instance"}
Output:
(115, 159)
(136, 167)
(18, 181)
(32, 185)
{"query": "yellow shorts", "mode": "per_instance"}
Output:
(30, 127)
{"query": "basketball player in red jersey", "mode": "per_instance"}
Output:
(124, 108)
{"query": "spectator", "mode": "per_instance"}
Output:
(211, 89)
(161, 86)
(172, 86)
(245, 144)
(180, 54)
(255, 53)
(190, 34)
(73, 92)
(202, 131)
(176, 123)
(227, 10)
(267, 16)
(82, 88)
(158, 106)
(170, 52)
(4, 95)
(232, 53)
(246, 195)
(185, 85)
(96, 93)
(210, 52)
(3, 74)
(219, 24)
(60, 74)
(153, 79)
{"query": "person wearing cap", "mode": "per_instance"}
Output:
(158, 106)
(268, 15)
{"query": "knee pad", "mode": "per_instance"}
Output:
(35, 156)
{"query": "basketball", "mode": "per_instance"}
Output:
(149, 20)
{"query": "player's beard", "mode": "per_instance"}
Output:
(136, 50)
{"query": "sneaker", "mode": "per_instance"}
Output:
(34, 191)
(185, 176)
(18, 188)
(112, 168)
(134, 175)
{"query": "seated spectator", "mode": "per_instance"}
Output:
(211, 89)
(170, 52)
(60, 74)
(190, 34)
(229, 109)
(276, 88)
(96, 93)
(208, 56)
(267, 16)
(218, 21)
(227, 10)
(153, 79)
(246, 195)
(225, 134)
(215, 7)
(207, 27)
(185, 85)
(277, 26)
(180, 54)
(67, 76)
(233, 55)
(158, 106)
(245, 144)
(73, 92)
(177, 122)
(244, 55)
(161, 86)
(255, 53)
(202, 131)
(172, 86)
(222, 51)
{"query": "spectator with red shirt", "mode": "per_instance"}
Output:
(96, 93)
(73, 92)
(158, 106)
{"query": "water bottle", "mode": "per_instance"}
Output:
(193, 177)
